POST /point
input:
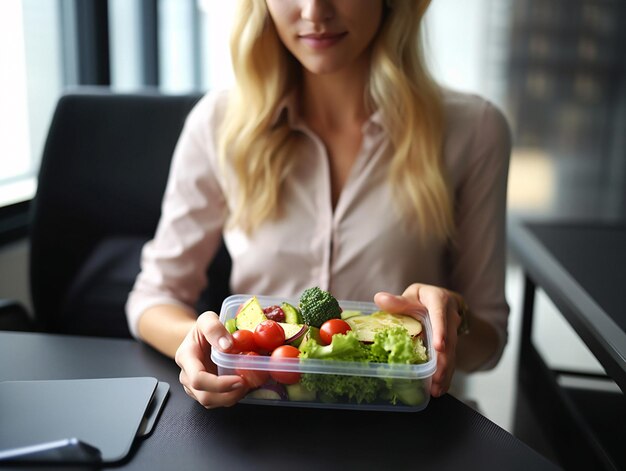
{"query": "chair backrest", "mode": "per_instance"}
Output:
(103, 174)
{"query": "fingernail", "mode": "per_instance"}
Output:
(224, 342)
(236, 386)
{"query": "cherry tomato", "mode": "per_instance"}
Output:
(332, 327)
(243, 341)
(253, 378)
(285, 377)
(269, 335)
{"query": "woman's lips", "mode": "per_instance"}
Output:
(322, 41)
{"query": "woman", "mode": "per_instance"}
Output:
(337, 162)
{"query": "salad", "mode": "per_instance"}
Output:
(319, 352)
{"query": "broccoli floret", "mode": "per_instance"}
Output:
(317, 306)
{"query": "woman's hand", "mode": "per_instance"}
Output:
(198, 373)
(443, 312)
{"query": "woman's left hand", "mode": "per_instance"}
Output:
(442, 309)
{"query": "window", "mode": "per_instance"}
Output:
(30, 82)
(125, 44)
(215, 25)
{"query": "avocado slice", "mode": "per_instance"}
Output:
(366, 326)
(250, 315)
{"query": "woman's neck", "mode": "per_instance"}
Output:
(336, 100)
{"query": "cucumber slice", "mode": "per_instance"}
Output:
(272, 392)
(409, 391)
(231, 325)
(292, 315)
(348, 314)
(297, 392)
(311, 333)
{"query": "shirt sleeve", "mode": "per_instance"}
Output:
(478, 255)
(174, 262)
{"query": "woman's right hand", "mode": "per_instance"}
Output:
(198, 373)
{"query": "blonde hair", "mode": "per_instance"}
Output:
(258, 144)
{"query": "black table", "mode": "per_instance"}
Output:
(446, 435)
(581, 266)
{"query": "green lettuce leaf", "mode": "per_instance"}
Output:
(343, 347)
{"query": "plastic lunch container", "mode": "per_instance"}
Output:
(415, 377)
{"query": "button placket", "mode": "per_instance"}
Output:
(324, 225)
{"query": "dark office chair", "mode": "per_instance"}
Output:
(102, 178)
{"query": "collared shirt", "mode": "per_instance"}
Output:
(355, 249)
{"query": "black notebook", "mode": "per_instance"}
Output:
(82, 420)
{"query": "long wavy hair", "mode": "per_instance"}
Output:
(258, 147)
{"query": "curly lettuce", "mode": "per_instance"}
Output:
(391, 345)
(330, 388)
(395, 345)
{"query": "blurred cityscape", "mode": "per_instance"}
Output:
(566, 99)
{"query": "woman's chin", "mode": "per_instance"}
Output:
(324, 67)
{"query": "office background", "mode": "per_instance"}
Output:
(557, 68)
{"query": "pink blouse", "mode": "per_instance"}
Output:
(354, 250)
